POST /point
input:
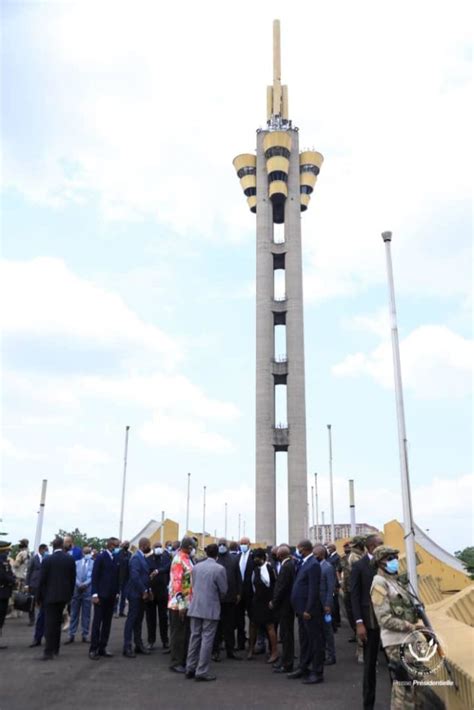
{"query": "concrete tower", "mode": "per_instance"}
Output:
(278, 182)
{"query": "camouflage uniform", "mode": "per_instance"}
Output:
(396, 616)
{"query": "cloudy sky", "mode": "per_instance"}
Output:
(128, 252)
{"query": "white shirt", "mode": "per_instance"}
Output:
(243, 562)
(307, 558)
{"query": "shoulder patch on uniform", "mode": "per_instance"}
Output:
(378, 594)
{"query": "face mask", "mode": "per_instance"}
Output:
(392, 566)
(169, 548)
(88, 557)
(222, 549)
(115, 551)
(192, 553)
(244, 548)
(298, 553)
(158, 550)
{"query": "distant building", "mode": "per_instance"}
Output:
(153, 531)
(341, 531)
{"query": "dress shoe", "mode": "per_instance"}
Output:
(178, 669)
(205, 678)
(106, 654)
(216, 657)
(70, 640)
(143, 650)
(3, 646)
(122, 614)
(94, 656)
(85, 639)
(165, 644)
(329, 661)
(35, 643)
(128, 653)
(352, 640)
(233, 657)
(298, 673)
(46, 657)
(282, 669)
(150, 646)
(190, 674)
(313, 679)
(166, 651)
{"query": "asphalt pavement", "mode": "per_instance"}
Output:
(73, 682)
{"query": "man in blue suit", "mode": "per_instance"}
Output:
(81, 600)
(104, 590)
(138, 592)
(305, 600)
(326, 594)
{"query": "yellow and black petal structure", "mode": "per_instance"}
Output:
(310, 164)
(277, 147)
(246, 168)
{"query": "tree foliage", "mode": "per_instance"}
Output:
(81, 539)
(467, 557)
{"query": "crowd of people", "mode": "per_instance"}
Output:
(227, 598)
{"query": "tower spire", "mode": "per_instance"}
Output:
(277, 95)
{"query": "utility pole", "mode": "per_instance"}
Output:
(239, 526)
(225, 521)
(122, 508)
(312, 509)
(408, 524)
(331, 484)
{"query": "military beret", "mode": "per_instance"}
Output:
(357, 541)
(383, 551)
(4, 546)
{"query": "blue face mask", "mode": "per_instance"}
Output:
(222, 549)
(116, 551)
(88, 557)
(244, 548)
(298, 553)
(392, 566)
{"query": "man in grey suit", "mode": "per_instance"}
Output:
(209, 584)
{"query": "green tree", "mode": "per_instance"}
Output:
(82, 538)
(467, 558)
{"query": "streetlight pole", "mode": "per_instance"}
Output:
(331, 485)
(122, 508)
(39, 522)
(225, 521)
(239, 526)
(187, 502)
(312, 508)
(352, 507)
(204, 517)
(316, 505)
(408, 523)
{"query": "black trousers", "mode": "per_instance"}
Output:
(287, 634)
(53, 619)
(226, 627)
(3, 611)
(151, 609)
(133, 625)
(371, 651)
(311, 644)
(179, 638)
(336, 612)
(348, 607)
(243, 607)
(101, 623)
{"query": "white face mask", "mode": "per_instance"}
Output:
(192, 553)
(244, 548)
(158, 550)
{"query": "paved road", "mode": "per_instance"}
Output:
(73, 682)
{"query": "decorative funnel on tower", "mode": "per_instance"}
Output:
(277, 149)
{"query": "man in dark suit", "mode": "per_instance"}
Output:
(326, 595)
(55, 590)
(33, 577)
(281, 604)
(104, 589)
(335, 560)
(246, 566)
(159, 564)
(123, 559)
(138, 592)
(305, 600)
(367, 629)
(226, 626)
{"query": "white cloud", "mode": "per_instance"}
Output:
(436, 362)
(59, 303)
(79, 455)
(9, 450)
(157, 119)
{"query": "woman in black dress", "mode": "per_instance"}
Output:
(263, 581)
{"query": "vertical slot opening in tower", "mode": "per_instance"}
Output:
(281, 486)
(279, 285)
(279, 349)
(279, 233)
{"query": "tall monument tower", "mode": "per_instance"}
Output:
(278, 182)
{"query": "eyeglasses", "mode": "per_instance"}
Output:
(391, 557)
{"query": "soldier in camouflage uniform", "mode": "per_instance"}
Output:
(397, 618)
